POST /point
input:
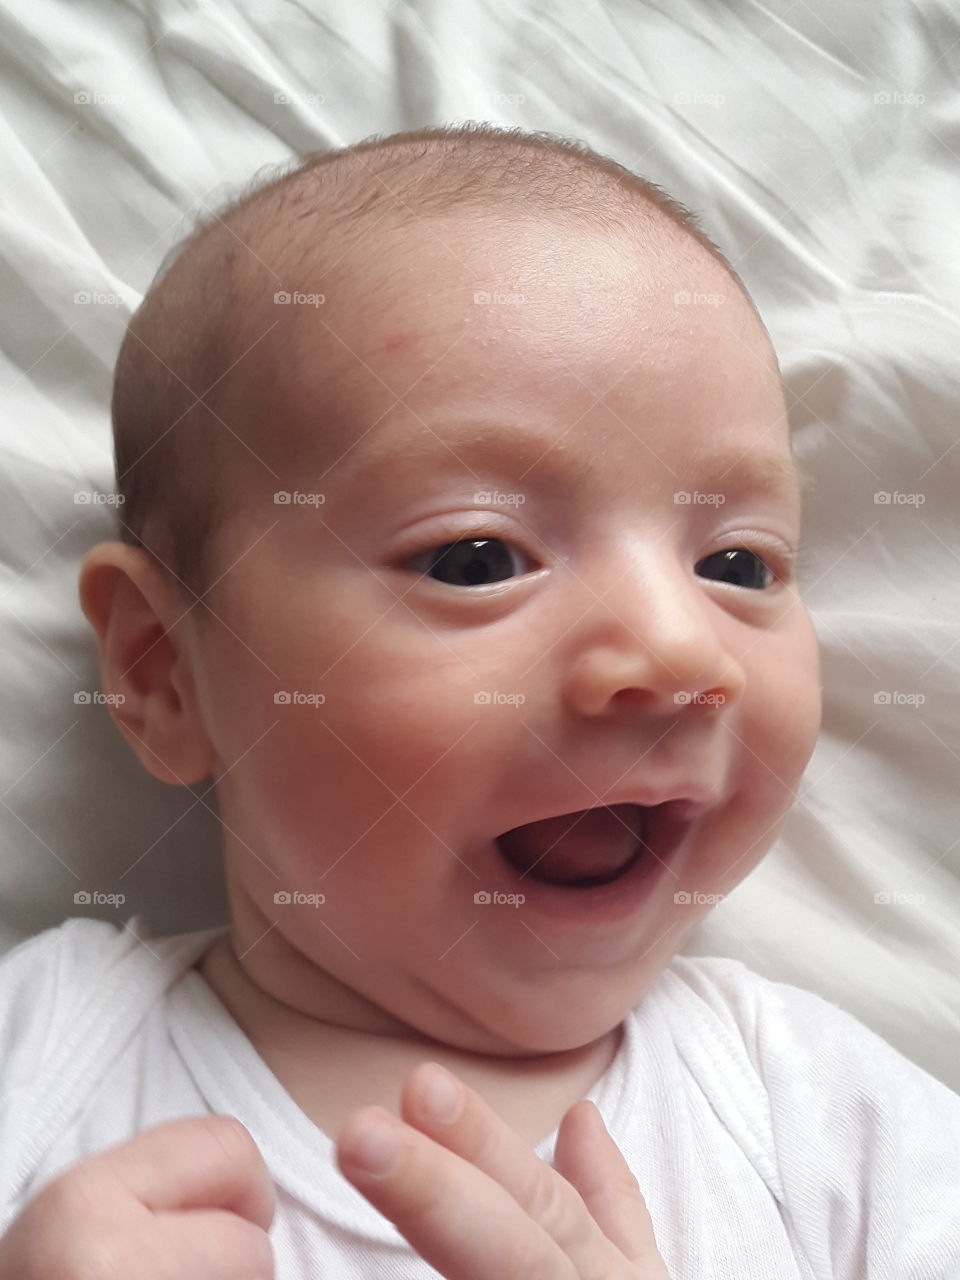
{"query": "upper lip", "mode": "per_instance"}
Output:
(695, 797)
(691, 800)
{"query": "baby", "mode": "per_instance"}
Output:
(459, 551)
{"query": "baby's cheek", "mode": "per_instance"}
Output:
(806, 693)
(784, 706)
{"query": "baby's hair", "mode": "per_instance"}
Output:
(170, 422)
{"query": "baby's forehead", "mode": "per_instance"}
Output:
(420, 303)
(388, 257)
(419, 283)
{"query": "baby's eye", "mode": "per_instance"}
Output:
(473, 562)
(470, 562)
(742, 567)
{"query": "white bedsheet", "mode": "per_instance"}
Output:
(821, 144)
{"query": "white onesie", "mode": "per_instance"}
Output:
(774, 1137)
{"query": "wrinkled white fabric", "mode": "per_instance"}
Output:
(773, 1136)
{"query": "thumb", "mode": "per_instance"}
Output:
(589, 1159)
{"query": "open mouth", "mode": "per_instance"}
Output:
(586, 848)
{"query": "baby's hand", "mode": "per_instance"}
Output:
(475, 1201)
(190, 1198)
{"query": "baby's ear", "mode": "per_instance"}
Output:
(144, 661)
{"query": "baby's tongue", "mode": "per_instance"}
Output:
(575, 846)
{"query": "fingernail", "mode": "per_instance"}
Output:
(441, 1093)
(377, 1147)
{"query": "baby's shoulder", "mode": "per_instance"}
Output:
(802, 1051)
(774, 1021)
(50, 969)
(66, 991)
(859, 1145)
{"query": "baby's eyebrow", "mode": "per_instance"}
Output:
(756, 470)
(528, 447)
(459, 443)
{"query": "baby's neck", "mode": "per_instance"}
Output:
(329, 1070)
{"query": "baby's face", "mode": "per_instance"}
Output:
(543, 388)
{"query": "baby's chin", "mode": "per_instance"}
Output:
(528, 1019)
(550, 1030)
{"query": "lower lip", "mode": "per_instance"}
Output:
(604, 903)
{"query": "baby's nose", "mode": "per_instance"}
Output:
(660, 642)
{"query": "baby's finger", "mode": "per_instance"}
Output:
(481, 1137)
(459, 1220)
(587, 1156)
